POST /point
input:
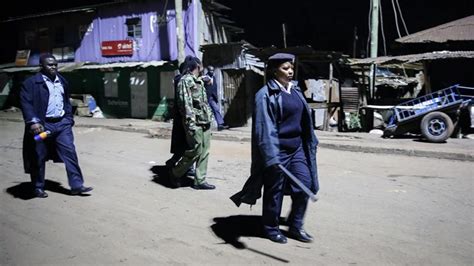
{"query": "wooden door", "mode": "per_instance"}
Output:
(139, 94)
(234, 100)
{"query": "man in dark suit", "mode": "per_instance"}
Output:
(211, 90)
(46, 108)
(178, 136)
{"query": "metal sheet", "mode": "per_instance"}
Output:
(412, 58)
(125, 64)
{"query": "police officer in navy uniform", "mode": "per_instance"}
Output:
(46, 107)
(211, 90)
(282, 134)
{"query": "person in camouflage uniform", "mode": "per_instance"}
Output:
(196, 118)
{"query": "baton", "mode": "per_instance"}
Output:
(306, 190)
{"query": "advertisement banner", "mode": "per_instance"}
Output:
(117, 48)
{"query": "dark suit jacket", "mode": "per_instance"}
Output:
(34, 96)
(178, 134)
(211, 90)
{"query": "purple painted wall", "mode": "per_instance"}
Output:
(158, 42)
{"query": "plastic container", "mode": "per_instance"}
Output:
(42, 136)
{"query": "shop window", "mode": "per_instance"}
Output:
(134, 27)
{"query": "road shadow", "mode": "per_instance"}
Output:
(24, 190)
(162, 177)
(403, 136)
(427, 141)
(231, 228)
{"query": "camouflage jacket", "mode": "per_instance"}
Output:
(192, 102)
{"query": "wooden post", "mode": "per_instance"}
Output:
(427, 78)
(179, 29)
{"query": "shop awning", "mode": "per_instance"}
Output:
(413, 58)
(62, 67)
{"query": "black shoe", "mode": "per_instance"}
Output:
(278, 238)
(300, 235)
(80, 190)
(39, 193)
(175, 182)
(222, 127)
(204, 185)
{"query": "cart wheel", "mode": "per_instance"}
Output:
(436, 127)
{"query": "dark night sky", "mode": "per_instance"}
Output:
(329, 25)
(325, 25)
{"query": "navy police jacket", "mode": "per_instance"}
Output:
(265, 143)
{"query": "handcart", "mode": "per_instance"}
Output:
(433, 115)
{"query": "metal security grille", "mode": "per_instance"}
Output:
(350, 99)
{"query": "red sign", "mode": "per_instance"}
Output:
(112, 48)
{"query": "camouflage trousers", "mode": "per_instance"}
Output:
(199, 154)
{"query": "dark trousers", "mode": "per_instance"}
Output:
(61, 135)
(175, 159)
(217, 114)
(275, 184)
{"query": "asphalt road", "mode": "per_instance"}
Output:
(374, 209)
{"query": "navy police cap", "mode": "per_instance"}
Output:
(282, 56)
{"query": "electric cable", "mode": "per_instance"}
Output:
(396, 18)
(401, 17)
(368, 35)
(383, 33)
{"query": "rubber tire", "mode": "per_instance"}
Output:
(436, 127)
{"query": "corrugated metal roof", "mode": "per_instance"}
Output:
(230, 55)
(62, 67)
(19, 69)
(153, 64)
(6, 65)
(413, 58)
(125, 64)
(215, 5)
(68, 67)
(302, 52)
(458, 30)
(88, 8)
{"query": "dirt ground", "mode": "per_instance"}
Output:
(374, 209)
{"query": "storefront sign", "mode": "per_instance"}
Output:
(117, 48)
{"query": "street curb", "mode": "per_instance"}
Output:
(394, 151)
(345, 147)
(165, 133)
